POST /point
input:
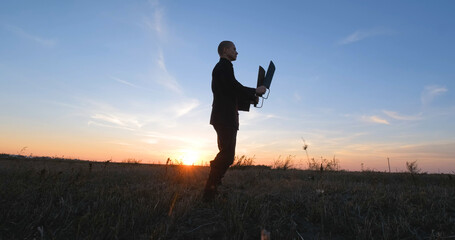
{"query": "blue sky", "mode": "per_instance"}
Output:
(358, 80)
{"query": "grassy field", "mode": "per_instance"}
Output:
(45, 198)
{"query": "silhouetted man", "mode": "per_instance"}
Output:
(229, 96)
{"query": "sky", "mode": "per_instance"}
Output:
(358, 81)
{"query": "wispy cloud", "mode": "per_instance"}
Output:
(37, 39)
(375, 119)
(164, 78)
(123, 121)
(399, 116)
(431, 92)
(254, 117)
(361, 35)
(155, 23)
(186, 107)
(124, 82)
(107, 125)
(446, 149)
(105, 115)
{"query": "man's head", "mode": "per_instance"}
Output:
(227, 50)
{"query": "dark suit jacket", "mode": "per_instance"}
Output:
(229, 96)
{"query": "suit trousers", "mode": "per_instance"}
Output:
(227, 137)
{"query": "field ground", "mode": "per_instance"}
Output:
(46, 198)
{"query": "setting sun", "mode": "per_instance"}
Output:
(190, 157)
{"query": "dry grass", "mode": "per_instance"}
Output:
(45, 198)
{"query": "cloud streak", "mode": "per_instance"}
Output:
(37, 39)
(164, 78)
(254, 117)
(156, 25)
(398, 116)
(122, 121)
(431, 92)
(375, 119)
(186, 107)
(360, 35)
(124, 82)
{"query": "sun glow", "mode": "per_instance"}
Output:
(190, 157)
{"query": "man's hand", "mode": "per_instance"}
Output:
(260, 90)
(256, 101)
